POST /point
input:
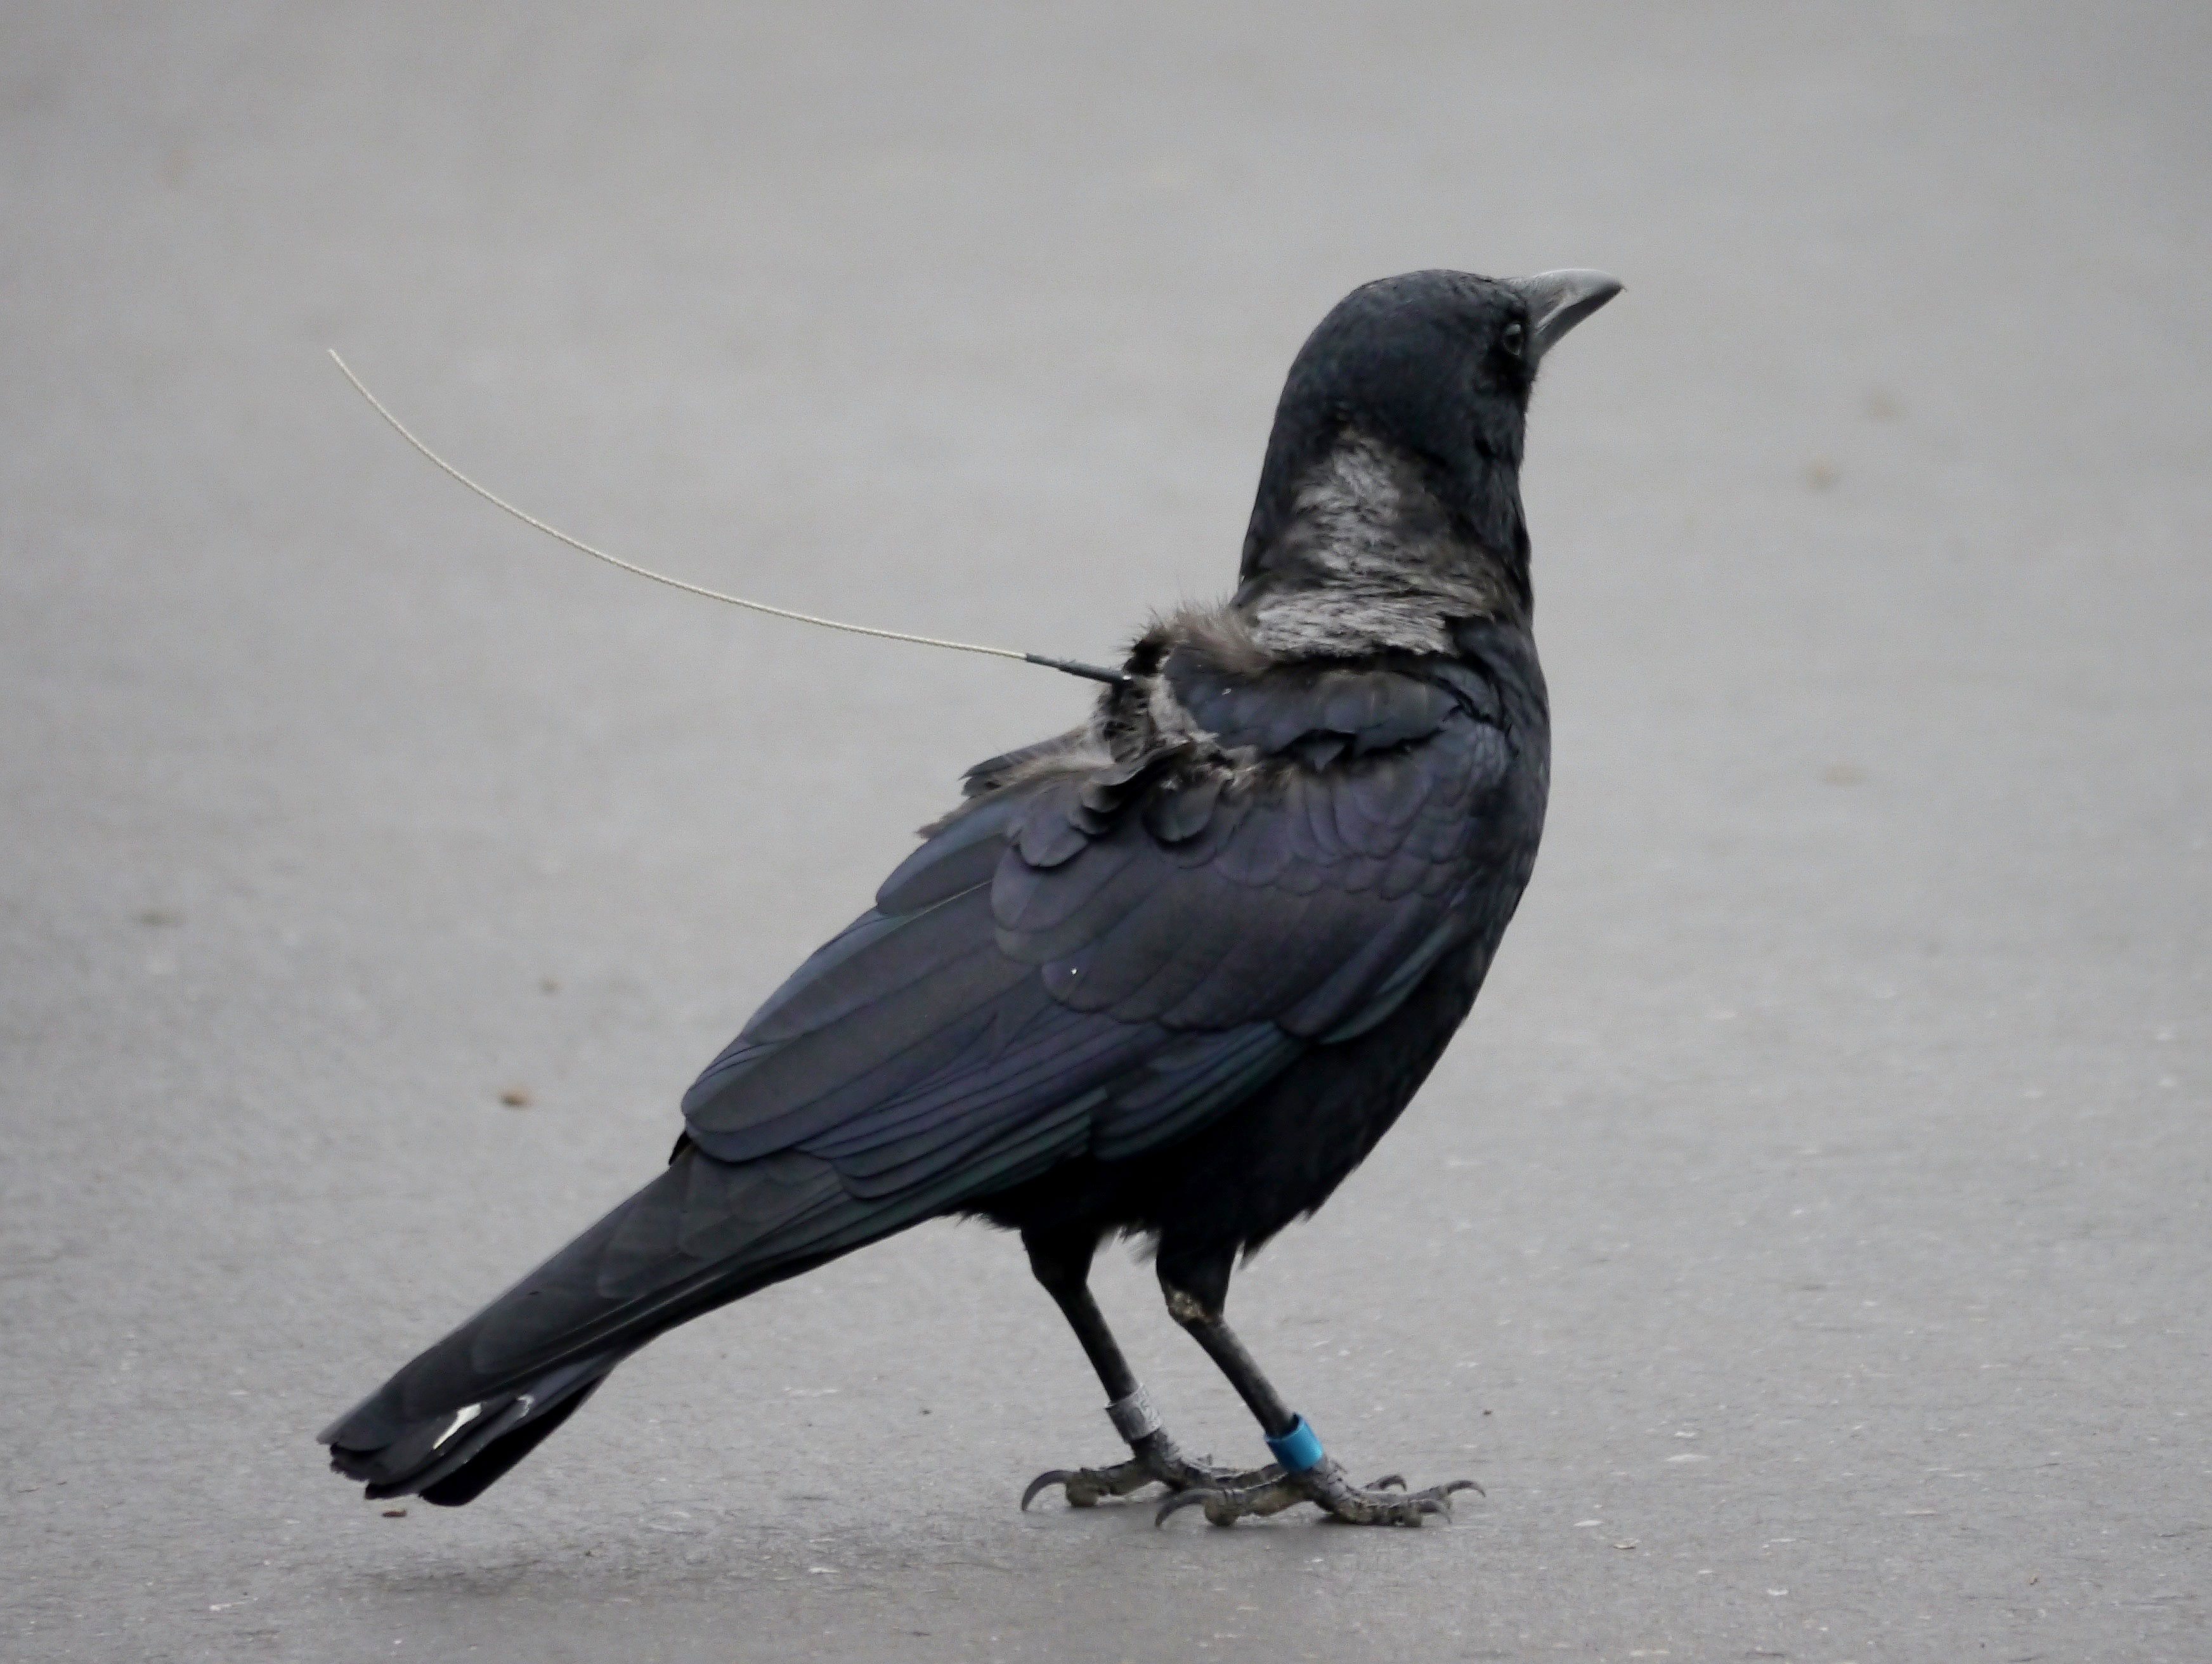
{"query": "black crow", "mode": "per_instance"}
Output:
(1170, 974)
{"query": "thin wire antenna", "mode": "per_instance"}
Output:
(1070, 666)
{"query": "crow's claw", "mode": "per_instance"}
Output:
(1156, 1461)
(1088, 1486)
(1324, 1485)
(1052, 1476)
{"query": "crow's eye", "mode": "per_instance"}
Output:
(1515, 337)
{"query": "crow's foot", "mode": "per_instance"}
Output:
(1156, 1461)
(1325, 1485)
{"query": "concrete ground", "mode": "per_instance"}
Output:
(1808, 1243)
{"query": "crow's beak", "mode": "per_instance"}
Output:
(1558, 301)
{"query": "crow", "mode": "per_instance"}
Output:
(1169, 975)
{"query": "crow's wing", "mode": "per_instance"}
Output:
(1095, 959)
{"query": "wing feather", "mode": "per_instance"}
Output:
(1093, 957)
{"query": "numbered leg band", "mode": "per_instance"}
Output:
(1298, 1450)
(1133, 1417)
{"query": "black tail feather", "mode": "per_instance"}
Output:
(703, 1233)
(458, 1455)
(475, 1476)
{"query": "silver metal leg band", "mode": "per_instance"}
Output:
(1133, 1417)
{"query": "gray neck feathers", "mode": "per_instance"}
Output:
(1369, 561)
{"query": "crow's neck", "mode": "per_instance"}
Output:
(1368, 556)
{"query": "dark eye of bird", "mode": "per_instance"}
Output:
(1514, 336)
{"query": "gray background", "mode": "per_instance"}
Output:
(1807, 1244)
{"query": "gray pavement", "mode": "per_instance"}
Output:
(1808, 1243)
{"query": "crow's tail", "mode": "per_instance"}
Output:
(702, 1233)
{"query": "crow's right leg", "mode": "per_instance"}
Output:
(1062, 1263)
(1196, 1284)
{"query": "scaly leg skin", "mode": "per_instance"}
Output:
(1156, 1460)
(1062, 1264)
(1197, 1287)
(1323, 1483)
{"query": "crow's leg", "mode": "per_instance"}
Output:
(1197, 1289)
(1062, 1264)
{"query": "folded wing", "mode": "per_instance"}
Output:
(1094, 956)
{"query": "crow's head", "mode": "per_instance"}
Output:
(1419, 384)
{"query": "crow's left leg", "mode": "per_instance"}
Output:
(1062, 1263)
(1197, 1288)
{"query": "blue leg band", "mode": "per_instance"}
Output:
(1298, 1450)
